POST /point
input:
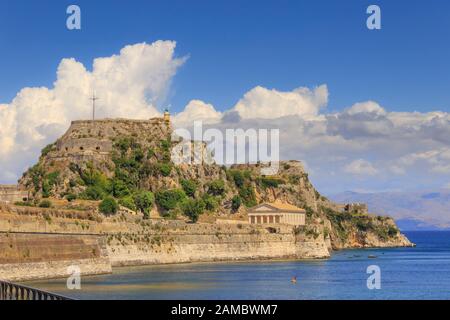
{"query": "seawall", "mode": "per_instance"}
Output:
(30, 256)
(32, 247)
(213, 245)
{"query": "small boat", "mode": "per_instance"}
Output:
(372, 257)
(294, 280)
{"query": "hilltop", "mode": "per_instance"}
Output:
(127, 164)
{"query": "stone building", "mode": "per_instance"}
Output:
(12, 193)
(277, 213)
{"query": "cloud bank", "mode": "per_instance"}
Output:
(362, 147)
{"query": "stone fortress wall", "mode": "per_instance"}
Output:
(87, 137)
(29, 256)
(12, 193)
(35, 248)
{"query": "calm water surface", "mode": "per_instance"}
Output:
(406, 273)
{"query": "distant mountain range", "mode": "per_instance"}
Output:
(426, 210)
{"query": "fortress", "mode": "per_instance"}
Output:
(87, 137)
(12, 193)
(41, 242)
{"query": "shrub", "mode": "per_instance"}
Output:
(392, 231)
(211, 203)
(189, 187)
(108, 206)
(216, 188)
(294, 179)
(52, 178)
(120, 189)
(128, 202)
(71, 197)
(247, 194)
(45, 204)
(309, 211)
(138, 155)
(93, 193)
(165, 169)
(269, 182)
(317, 194)
(237, 177)
(125, 143)
(144, 201)
(47, 149)
(165, 145)
(72, 183)
(150, 153)
(236, 203)
(46, 189)
(193, 209)
(169, 199)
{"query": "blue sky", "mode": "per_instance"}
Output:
(247, 58)
(235, 45)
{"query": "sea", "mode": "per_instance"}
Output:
(422, 272)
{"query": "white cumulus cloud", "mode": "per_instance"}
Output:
(128, 84)
(268, 104)
(197, 110)
(360, 167)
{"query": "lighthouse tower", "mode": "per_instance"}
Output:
(167, 116)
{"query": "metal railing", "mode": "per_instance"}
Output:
(12, 291)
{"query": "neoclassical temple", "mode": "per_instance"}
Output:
(277, 213)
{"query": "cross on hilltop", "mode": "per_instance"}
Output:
(94, 98)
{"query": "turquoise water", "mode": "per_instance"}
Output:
(406, 273)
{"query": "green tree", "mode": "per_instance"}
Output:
(189, 187)
(170, 199)
(46, 189)
(93, 193)
(120, 189)
(128, 202)
(144, 201)
(193, 209)
(211, 203)
(238, 177)
(247, 194)
(216, 187)
(236, 203)
(108, 206)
